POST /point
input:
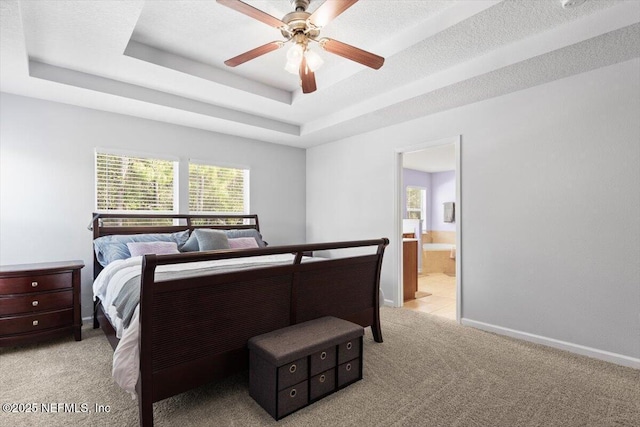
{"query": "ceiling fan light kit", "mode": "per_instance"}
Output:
(300, 27)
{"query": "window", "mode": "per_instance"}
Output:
(140, 184)
(417, 204)
(217, 189)
(134, 184)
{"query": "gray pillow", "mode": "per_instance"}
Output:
(191, 245)
(210, 240)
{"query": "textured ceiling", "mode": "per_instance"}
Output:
(163, 60)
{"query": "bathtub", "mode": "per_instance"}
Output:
(438, 258)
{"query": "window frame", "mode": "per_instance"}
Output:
(423, 209)
(180, 182)
(140, 155)
(246, 186)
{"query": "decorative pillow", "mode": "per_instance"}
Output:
(243, 243)
(158, 248)
(249, 232)
(111, 248)
(191, 245)
(210, 240)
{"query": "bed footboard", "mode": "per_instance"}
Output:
(195, 330)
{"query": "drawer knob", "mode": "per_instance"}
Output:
(323, 355)
(34, 303)
(34, 284)
(292, 368)
(35, 323)
(349, 345)
(322, 378)
(293, 392)
(348, 367)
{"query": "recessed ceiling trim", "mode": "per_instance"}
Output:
(460, 11)
(224, 78)
(591, 26)
(113, 87)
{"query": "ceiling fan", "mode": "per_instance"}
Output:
(301, 27)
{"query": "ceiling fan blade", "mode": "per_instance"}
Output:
(307, 77)
(353, 53)
(329, 10)
(253, 53)
(254, 13)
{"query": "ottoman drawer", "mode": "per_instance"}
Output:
(322, 384)
(348, 350)
(349, 372)
(292, 373)
(322, 360)
(292, 398)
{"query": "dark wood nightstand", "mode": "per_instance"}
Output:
(39, 301)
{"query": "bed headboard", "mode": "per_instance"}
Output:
(105, 224)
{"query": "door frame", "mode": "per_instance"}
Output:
(398, 214)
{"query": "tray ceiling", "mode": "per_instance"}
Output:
(164, 60)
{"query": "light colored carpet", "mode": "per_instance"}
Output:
(428, 372)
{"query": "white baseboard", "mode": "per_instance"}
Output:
(389, 303)
(607, 356)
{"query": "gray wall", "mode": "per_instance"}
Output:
(47, 177)
(541, 170)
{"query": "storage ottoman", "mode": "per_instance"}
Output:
(297, 365)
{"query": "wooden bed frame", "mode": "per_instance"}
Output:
(195, 330)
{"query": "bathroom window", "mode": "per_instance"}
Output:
(417, 204)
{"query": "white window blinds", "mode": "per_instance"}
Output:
(127, 183)
(216, 189)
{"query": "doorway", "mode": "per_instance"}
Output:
(428, 212)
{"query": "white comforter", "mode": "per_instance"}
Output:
(126, 360)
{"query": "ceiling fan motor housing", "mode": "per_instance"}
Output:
(300, 4)
(297, 24)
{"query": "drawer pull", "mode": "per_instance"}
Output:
(34, 303)
(349, 345)
(35, 323)
(322, 378)
(323, 355)
(348, 367)
(293, 392)
(34, 284)
(292, 369)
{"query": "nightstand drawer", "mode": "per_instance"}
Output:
(35, 283)
(29, 303)
(36, 322)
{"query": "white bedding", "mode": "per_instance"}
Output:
(110, 281)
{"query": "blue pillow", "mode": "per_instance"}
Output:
(111, 248)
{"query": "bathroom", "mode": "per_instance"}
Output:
(429, 209)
